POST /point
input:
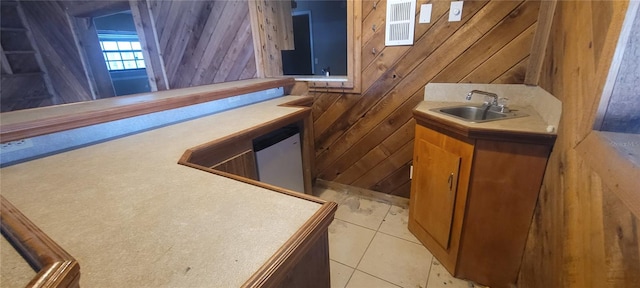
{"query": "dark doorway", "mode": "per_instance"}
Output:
(300, 60)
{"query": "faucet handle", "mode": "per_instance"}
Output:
(491, 100)
(502, 103)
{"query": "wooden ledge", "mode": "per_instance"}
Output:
(616, 159)
(39, 121)
(56, 268)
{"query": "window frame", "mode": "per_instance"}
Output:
(121, 37)
(351, 82)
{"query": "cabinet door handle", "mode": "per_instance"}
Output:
(450, 181)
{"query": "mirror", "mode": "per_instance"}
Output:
(51, 52)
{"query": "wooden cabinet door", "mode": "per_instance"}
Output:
(436, 180)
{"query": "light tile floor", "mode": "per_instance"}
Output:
(370, 246)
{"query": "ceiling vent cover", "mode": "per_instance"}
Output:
(400, 22)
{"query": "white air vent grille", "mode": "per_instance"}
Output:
(400, 22)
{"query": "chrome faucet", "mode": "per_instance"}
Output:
(494, 102)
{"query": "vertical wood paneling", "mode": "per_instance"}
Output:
(582, 234)
(147, 33)
(204, 42)
(362, 140)
(50, 28)
(272, 27)
(86, 37)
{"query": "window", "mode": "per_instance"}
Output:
(121, 52)
(265, 45)
(320, 38)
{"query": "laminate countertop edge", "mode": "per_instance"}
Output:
(442, 124)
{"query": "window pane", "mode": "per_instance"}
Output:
(116, 65)
(130, 65)
(135, 45)
(101, 45)
(140, 63)
(105, 56)
(113, 56)
(138, 55)
(124, 45)
(110, 45)
(127, 56)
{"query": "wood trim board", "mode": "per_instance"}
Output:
(146, 29)
(610, 155)
(540, 40)
(354, 58)
(55, 267)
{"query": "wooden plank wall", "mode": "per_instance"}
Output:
(204, 42)
(582, 234)
(271, 25)
(54, 37)
(366, 140)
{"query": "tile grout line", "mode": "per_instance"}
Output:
(374, 276)
(367, 249)
(398, 237)
(374, 237)
(369, 246)
(430, 268)
(355, 224)
(375, 230)
(350, 276)
(341, 263)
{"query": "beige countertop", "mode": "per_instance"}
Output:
(133, 217)
(542, 108)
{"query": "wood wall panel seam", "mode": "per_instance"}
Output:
(540, 40)
(151, 49)
(618, 173)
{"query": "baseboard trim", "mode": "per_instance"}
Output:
(364, 193)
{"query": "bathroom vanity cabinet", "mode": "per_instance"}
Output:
(472, 197)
